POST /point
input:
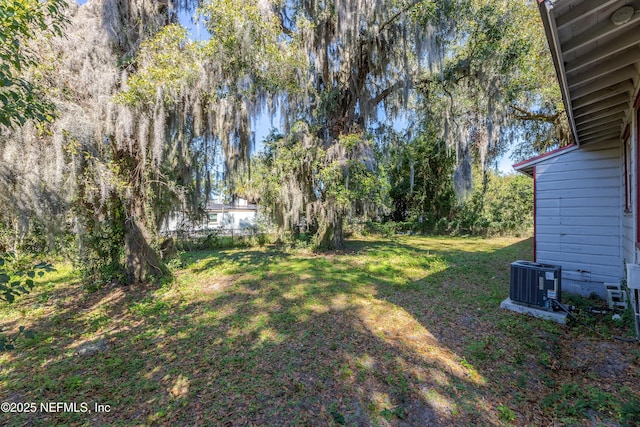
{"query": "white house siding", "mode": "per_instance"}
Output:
(238, 219)
(578, 216)
(229, 218)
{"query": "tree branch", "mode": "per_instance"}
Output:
(528, 115)
(385, 93)
(397, 15)
(286, 30)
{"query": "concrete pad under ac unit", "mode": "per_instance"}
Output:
(559, 317)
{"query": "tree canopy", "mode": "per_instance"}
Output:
(494, 86)
(20, 23)
(372, 95)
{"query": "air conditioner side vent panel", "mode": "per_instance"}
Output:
(535, 284)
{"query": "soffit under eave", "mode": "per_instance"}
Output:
(597, 63)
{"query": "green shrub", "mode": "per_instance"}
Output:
(14, 283)
(498, 205)
(101, 257)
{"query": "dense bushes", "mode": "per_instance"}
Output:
(498, 204)
(427, 199)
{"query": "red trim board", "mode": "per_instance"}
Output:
(543, 155)
(535, 216)
(636, 208)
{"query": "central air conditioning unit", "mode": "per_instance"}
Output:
(535, 284)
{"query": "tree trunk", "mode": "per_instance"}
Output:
(330, 234)
(142, 262)
(338, 232)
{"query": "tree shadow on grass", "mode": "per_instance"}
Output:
(308, 341)
(238, 260)
(532, 370)
(292, 339)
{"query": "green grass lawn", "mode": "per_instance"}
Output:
(399, 331)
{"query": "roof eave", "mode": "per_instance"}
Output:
(526, 166)
(551, 31)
